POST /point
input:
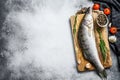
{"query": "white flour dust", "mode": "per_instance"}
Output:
(39, 39)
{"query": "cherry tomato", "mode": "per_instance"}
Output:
(96, 6)
(113, 30)
(107, 11)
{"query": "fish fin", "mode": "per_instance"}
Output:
(103, 75)
(85, 56)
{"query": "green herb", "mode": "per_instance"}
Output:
(74, 27)
(102, 45)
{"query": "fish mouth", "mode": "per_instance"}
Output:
(88, 10)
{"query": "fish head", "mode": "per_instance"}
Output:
(89, 18)
(89, 10)
(88, 21)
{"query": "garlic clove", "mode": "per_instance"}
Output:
(109, 25)
(79, 61)
(112, 39)
(88, 65)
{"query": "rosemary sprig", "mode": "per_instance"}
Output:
(102, 45)
(74, 27)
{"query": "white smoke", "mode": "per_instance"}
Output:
(39, 39)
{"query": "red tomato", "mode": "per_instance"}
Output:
(107, 11)
(96, 6)
(113, 30)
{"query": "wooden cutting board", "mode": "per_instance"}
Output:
(82, 63)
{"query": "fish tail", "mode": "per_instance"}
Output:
(103, 75)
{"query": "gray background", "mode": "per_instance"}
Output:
(36, 41)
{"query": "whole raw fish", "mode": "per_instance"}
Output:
(87, 43)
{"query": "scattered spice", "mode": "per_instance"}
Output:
(102, 20)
